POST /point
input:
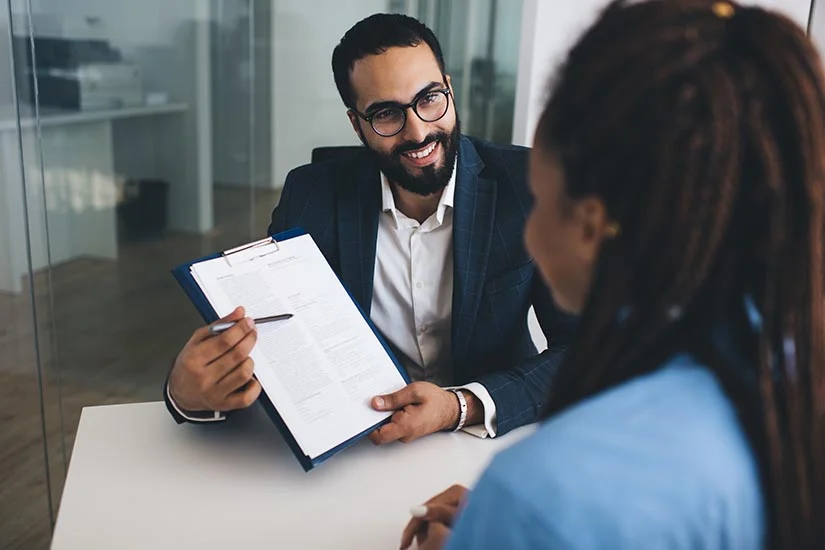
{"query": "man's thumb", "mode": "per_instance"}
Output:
(393, 401)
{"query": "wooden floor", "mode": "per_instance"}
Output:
(107, 332)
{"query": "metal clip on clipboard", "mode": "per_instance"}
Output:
(250, 251)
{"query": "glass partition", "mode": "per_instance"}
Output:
(26, 506)
(107, 175)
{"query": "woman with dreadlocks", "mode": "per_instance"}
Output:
(679, 183)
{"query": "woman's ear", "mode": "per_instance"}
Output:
(594, 226)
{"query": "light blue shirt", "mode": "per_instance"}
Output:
(658, 462)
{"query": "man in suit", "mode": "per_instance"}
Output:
(424, 227)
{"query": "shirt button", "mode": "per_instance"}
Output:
(423, 329)
(419, 285)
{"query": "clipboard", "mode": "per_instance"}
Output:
(253, 250)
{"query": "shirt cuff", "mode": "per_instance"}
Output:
(217, 416)
(488, 428)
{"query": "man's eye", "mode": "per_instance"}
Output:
(429, 98)
(384, 114)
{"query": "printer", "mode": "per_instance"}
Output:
(75, 65)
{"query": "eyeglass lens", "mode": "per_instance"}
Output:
(429, 108)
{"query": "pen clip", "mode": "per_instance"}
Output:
(250, 251)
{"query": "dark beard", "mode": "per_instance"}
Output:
(432, 179)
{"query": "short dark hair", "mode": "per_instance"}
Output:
(375, 35)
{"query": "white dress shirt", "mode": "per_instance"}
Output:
(413, 294)
(413, 298)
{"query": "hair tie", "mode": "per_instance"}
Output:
(723, 10)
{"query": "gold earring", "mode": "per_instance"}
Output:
(723, 10)
(612, 230)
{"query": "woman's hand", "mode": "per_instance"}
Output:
(432, 522)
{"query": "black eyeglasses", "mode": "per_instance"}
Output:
(429, 106)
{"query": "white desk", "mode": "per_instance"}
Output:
(137, 480)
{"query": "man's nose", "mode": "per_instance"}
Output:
(416, 130)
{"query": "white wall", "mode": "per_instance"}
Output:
(798, 10)
(307, 109)
(550, 28)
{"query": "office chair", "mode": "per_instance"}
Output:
(326, 153)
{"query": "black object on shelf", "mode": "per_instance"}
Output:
(142, 215)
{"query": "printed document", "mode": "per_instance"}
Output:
(321, 367)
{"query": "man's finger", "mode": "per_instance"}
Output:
(231, 358)
(387, 434)
(237, 378)
(244, 398)
(213, 348)
(398, 400)
(203, 333)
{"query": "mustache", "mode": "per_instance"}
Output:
(408, 146)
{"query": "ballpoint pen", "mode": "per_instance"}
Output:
(218, 328)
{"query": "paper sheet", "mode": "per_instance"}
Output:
(320, 368)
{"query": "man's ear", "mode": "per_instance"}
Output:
(353, 119)
(356, 127)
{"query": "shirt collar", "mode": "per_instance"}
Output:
(447, 197)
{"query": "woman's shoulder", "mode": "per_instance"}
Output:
(662, 456)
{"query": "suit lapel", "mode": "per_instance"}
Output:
(475, 199)
(358, 206)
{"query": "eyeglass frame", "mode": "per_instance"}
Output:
(404, 107)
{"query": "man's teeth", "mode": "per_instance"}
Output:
(421, 154)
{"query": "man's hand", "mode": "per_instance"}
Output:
(214, 373)
(421, 408)
(433, 521)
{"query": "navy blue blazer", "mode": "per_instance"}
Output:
(338, 202)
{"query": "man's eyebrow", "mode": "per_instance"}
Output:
(381, 104)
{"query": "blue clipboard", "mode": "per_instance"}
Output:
(183, 275)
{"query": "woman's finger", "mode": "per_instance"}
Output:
(435, 538)
(415, 526)
(439, 512)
